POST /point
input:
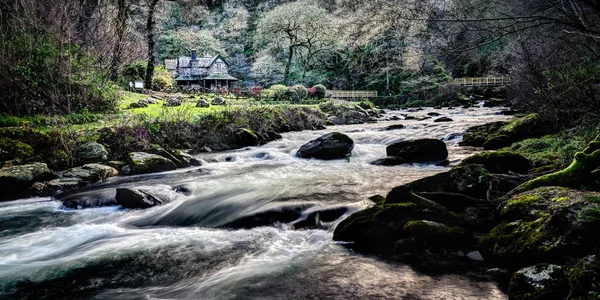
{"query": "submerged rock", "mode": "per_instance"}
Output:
(389, 161)
(443, 119)
(333, 145)
(135, 198)
(393, 127)
(423, 150)
(145, 163)
(500, 162)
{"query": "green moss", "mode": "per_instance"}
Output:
(424, 228)
(518, 123)
(500, 162)
(14, 149)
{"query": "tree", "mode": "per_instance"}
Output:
(303, 31)
(150, 26)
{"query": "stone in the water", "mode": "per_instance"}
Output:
(246, 138)
(333, 145)
(434, 114)
(475, 255)
(423, 150)
(443, 119)
(145, 163)
(393, 127)
(91, 173)
(92, 152)
(389, 161)
(134, 198)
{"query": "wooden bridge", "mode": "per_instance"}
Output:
(482, 81)
(339, 94)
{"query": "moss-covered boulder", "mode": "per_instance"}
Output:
(476, 136)
(470, 180)
(145, 163)
(180, 158)
(417, 151)
(13, 149)
(136, 198)
(500, 162)
(16, 180)
(246, 138)
(436, 235)
(92, 152)
(333, 145)
(91, 173)
(547, 224)
(518, 129)
(542, 281)
(59, 160)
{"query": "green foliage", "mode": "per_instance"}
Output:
(14, 149)
(280, 92)
(366, 104)
(162, 79)
(298, 93)
(321, 91)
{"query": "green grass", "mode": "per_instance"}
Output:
(550, 149)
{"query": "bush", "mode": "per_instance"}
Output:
(162, 79)
(13, 149)
(256, 92)
(298, 93)
(320, 91)
(366, 104)
(280, 92)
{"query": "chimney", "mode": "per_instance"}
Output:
(194, 55)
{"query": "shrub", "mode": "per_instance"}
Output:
(312, 92)
(280, 92)
(366, 104)
(320, 91)
(162, 79)
(298, 93)
(256, 92)
(13, 149)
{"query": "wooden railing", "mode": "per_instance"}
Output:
(482, 81)
(352, 94)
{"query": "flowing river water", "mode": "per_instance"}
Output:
(189, 249)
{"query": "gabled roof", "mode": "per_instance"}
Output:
(203, 62)
(171, 64)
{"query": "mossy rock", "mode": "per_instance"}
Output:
(13, 149)
(500, 162)
(476, 136)
(145, 163)
(529, 126)
(17, 179)
(543, 281)
(545, 225)
(470, 180)
(376, 230)
(435, 235)
(244, 137)
(421, 150)
(92, 152)
(59, 160)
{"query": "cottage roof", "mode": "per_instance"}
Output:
(220, 76)
(171, 64)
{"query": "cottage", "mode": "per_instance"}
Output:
(206, 72)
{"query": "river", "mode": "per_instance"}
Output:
(187, 248)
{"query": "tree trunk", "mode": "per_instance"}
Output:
(288, 66)
(121, 28)
(151, 43)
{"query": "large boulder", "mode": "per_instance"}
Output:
(333, 145)
(145, 163)
(16, 180)
(501, 162)
(91, 173)
(546, 224)
(476, 136)
(13, 149)
(135, 198)
(470, 180)
(174, 100)
(389, 161)
(543, 281)
(423, 150)
(530, 126)
(246, 138)
(92, 152)
(180, 158)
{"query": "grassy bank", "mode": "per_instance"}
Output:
(55, 139)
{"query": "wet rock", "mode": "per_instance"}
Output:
(443, 119)
(145, 163)
(203, 103)
(333, 145)
(423, 150)
(494, 102)
(180, 158)
(92, 153)
(82, 200)
(393, 127)
(410, 118)
(246, 138)
(508, 112)
(470, 180)
(16, 180)
(283, 214)
(395, 118)
(476, 136)
(219, 101)
(544, 281)
(317, 219)
(347, 114)
(91, 173)
(434, 114)
(117, 164)
(500, 162)
(546, 224)
(389, 161)
(135, 198)
(518, 129)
